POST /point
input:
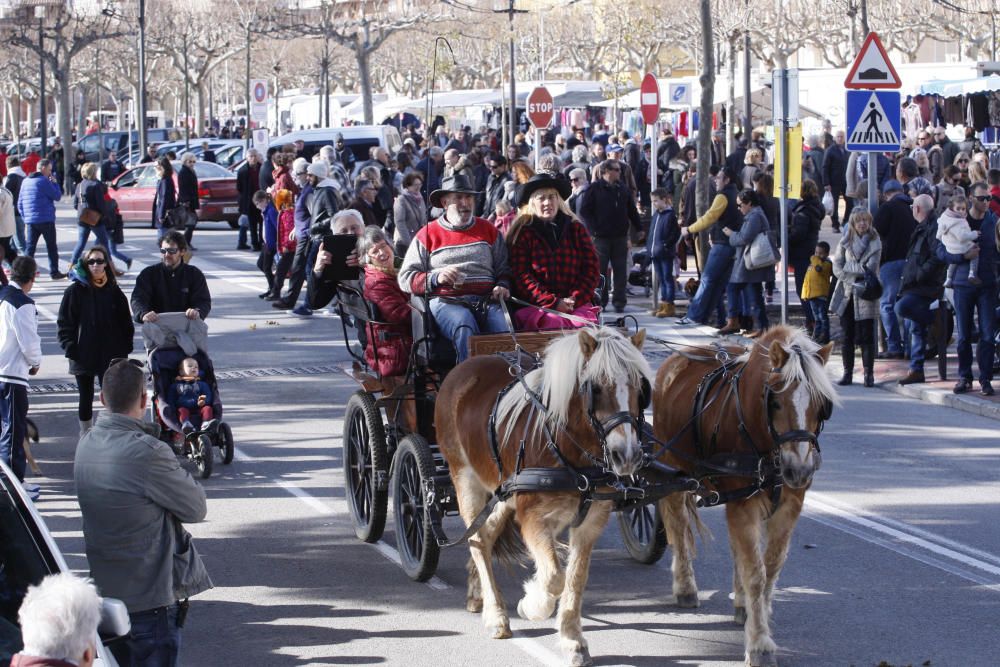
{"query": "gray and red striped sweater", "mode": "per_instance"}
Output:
(477, 249)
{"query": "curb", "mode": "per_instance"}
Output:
(945, 398)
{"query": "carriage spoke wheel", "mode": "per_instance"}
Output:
(418, 549)
(203, 456)
(365, 466)
(643, 533)
(227, 443)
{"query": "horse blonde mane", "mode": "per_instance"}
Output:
(804, 364)
(564, 370)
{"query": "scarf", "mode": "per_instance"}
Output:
(99, 282)
(859, 245)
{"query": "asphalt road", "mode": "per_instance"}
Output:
(896, 559)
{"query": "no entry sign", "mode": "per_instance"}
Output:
(649, 100)
(540, 107)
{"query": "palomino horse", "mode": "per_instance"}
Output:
(751, 437)
(570, 425)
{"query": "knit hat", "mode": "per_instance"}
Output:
(317, 169)
(300, 165)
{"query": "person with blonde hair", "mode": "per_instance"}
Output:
(91, 195)
(857, 254)
(553, 260)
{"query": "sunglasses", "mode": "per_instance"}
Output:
(495, 166)
(169, 251)
(981, 197)
(97, 261)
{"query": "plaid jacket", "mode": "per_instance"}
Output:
(543, 274)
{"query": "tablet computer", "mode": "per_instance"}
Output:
(340, 246)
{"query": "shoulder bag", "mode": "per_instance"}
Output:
(88, 216)
(869, 288)
(761, 253)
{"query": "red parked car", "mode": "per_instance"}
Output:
(135, 190)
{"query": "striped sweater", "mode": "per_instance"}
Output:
(478, 250)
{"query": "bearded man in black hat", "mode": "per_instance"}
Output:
(461, 261)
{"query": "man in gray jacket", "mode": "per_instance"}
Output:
(134, 497)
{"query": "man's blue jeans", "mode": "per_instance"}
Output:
(890, 274)
(19, 241)
(457, 323)
(13, 418)
(154, 641)
(47, 231)
(968, 300)
(916, 309)
(714, 279)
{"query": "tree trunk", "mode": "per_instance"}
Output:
(731, 111)
(364, 74)
(199, 110)
(707, 81)
(81, 113)
(64, 124)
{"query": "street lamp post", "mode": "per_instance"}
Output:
(141, 121)
(43, 118)
(187, 100)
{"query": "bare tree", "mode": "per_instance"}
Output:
(67, 33)
(360, 27)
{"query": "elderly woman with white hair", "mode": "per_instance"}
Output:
(59, 619)
(388, 344)
(187, 193)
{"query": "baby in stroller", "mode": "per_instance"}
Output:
(189, 393)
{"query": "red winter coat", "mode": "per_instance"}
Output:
(283, 181)
(543, 274)
(286, 223)
(394, 339)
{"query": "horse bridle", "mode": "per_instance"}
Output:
(602, 427)
(798, 434)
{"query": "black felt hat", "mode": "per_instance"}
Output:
(543, 180)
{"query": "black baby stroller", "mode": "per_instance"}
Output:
(168, 342)
(641, 273)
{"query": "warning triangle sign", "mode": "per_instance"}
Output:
(873, 127)
(872, 69)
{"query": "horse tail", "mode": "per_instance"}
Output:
(509, 549)
(695, 522)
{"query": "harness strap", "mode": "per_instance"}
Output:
(492, 429)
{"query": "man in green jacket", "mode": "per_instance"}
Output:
(134, 497)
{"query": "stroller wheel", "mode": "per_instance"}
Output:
(203, 456)
(226, 443)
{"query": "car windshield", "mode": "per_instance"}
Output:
(209, 170)
(21, 564)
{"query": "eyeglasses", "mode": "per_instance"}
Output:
(495, 166)
(169, 251)
(97, 261)
(981, 197)
(574, 180)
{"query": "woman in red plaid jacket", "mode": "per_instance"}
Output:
(552, 259)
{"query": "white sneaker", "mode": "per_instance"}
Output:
(33, 490)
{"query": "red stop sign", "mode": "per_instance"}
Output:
(540, 107)
(649, 100)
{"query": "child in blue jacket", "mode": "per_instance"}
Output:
(191, 394)
(664, 233)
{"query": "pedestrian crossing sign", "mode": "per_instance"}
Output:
(873, 120)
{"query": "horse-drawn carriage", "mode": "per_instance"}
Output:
(549, 428)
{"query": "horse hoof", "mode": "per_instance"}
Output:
(688, 600)
(762, 659)
(474, 605)
(500, 631)
(740, 615)
(580, 657)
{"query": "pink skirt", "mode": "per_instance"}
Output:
(536, 319)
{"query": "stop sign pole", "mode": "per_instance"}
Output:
(649, 105)
(540, 113)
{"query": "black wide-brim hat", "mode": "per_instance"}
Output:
(540, 181)
(452, 184)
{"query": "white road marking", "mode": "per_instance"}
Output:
(918, 544)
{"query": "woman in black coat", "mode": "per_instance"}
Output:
(803, 234)
(166, 197)
(187, 192)
(95, 325)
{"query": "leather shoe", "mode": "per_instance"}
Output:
(281, 304)
(962, 386)
(986, 389)
(913, 377)
(890, 355)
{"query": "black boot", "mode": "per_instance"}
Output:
(868, 361)
(746, 323)
(848, 378)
